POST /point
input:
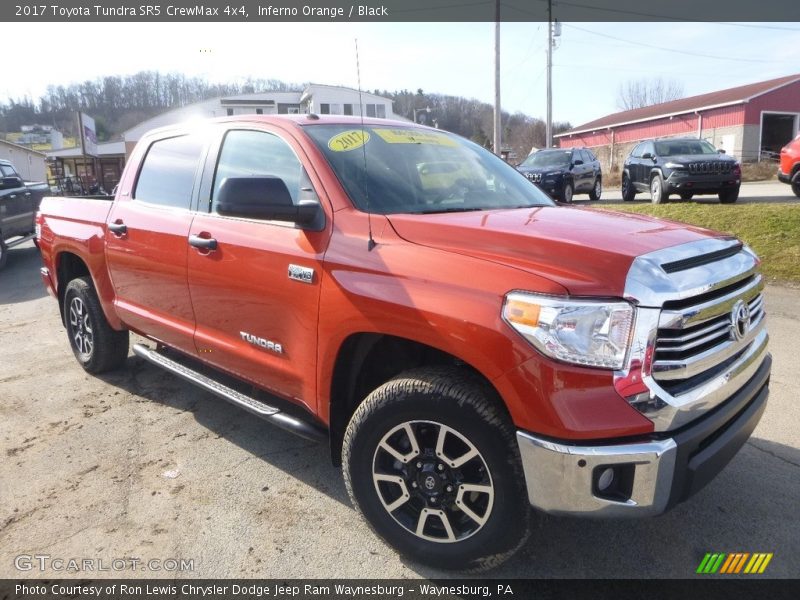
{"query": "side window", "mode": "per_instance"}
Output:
(590, 156)
(7, 171)
(247, 153)
(637, 151)
(168, 172)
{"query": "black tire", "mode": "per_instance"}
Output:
(687, 196)
(3, 253)
(796, 184)
(729, 196)
(427, 402)
(597, 189)
(658, 194)
(567, 192)
(96, 346)
(628, 191)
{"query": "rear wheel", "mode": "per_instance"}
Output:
(657, 192)
(628, 192)
(96, 346)
(431, 462)
(729, 196)
(597, 189)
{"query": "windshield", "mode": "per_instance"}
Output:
(560, 158)
(681, 147)
(407, 170)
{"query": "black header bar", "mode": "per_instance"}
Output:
(265, 11)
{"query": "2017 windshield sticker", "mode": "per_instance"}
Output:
(348, 140)
(414, 136)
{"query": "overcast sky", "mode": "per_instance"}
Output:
(591, 61)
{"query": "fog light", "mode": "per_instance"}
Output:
(605, 480)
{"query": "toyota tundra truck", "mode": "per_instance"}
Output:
(466, 347)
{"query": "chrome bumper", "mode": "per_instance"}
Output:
(560, 478)
(651, 476)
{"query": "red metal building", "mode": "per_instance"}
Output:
(750, 122)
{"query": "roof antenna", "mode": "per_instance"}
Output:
(371, 242)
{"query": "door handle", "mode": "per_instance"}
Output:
(203, 243)
(118, 229)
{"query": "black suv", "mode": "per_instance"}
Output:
(684, 166)
(565, 172)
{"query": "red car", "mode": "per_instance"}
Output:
(789, 171)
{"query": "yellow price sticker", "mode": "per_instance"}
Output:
(348, 140)
(414, 136)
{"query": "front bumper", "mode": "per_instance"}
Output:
(650, 476)
(680, 181)
(784, 177)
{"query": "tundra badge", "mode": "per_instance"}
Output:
(299, 273)
(261, 342)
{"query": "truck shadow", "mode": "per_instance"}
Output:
(305, 460)
(19, 279)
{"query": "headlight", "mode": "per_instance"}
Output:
(674, 165)
(552, 173)
(583, 332)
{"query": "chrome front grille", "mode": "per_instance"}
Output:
(710, 166)
(692, 342)
(700, 331)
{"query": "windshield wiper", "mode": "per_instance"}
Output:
(452, 209)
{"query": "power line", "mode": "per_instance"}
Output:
(673, 50)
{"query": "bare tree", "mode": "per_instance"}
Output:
(636, 93)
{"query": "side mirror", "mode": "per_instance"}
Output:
(266, 198)
(647, 155)
(721, 150)
(577, 162)
(10, 183)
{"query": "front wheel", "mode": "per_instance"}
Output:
(567, 192)
(657, 193)
(729, 196)
(431, 462)
(796, 184)
(96, 346)
(597, 190)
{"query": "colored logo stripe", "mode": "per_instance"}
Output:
(733, 563)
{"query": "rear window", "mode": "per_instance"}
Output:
(168, 172)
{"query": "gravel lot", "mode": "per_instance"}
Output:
(139, 464)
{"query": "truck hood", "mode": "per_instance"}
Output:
(695, 158)
(587, 251)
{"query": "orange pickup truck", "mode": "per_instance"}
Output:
(466, 347)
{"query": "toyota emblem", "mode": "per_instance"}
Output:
(740, 320)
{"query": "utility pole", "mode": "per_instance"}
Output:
(497, 133)
(549, 124)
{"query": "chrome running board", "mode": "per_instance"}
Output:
(21, 240)
(307, 430)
